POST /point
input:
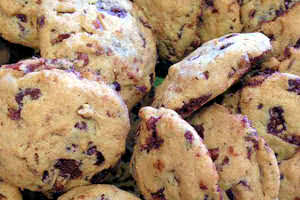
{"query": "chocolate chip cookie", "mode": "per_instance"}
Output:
(246, 164)
(105, 36)
(170, 161)
(283, 30)
(8, 192)
(219, 17)
(289, 63)
(174, 23)
(209, 71)
(58, 129)
(256, 12)
(18, 21)
(272, 103)
(290, 176)
(101, 192)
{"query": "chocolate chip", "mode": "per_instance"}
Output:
(119, 12)
(249, 152)
(159, 195)
(142, 89)
(189, 136)
(276, 123)
(252, 13)
(45, 176)
(41, 21)
(143, 39)
(206, 74)
(100, 158)
(151, 123)
(117, 86)
(228, 36)
(226, 45)
(34, 93)
(209, 3)
(100, 176)
(81, 125)
(91, 151)
(69, 168)
(297, 45)
(2, 197)
(245, 184)
(22, 17)
(14, 114)
(84, 57)
(193, 105)
(214, 153)
(279, 12)
(203, 187)
(200, 130)
(230, 194)
(294, 86)
(60, 38)
(225, 161)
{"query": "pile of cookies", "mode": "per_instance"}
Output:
(83, 115)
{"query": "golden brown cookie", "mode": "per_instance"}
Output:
(105, 36)
(58, 129)
(170, 161)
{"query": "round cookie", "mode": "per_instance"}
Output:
(209, 71)
(8, 192)
(101, 192)
(219, 17)
(256, 12)
(272, 103)
(174, 23)
(105, 36)
(283, 30)
(290, 178)
(246, 165)
(170, 161)
(18, 19)
(57, 129)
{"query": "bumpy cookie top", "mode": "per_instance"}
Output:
(209, 71)
(109, 37)
(58, 129)
(8, 192)
(18, 19)
(272, 103)
(284, 30)
(290, 176)
(174, 23)
(247, 166)
(101, 192)
(170, 161)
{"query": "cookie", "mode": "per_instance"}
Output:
(290, 178)
(219, 17)
(284, 30)
(246, 165)
(209, 71)
(101, 192)
(58, 129)
(290, 63)
(18, 22)
(272, 103)
(8, 192)
(256, 12)
(170, 161)
(105, 36)
(174, 24)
